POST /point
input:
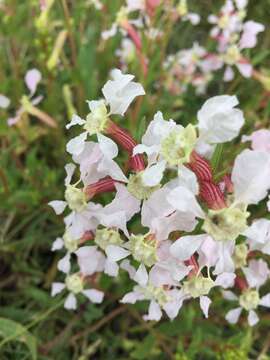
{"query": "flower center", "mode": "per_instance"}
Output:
(137, 188)
(249, 300)
(240, 255)
(177, 147)
(232, 56)
(96, 120)
(226, 224)
(71, 244)
(198, 286)
(182, 8)
(143, 249)
(105, 237)
(75, 198)
(74, 283)
(223, 21)
(157, 293)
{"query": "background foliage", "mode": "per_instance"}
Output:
(32, 324)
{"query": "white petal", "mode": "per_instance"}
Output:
(70, 168)
(57, 244)
(131, 297)
(116, 253)
(64, 264)
(141, 276)
(4, 101)
(71, 302)
(57, 287)
(265, 300)
(252, 318)
(75, 120)
(125, 265)
(154, 312)
(225, 280)
(76, 145)
(204, 304)
(58, 206)
(185, 247)
(107, 146)
(184, 200)
(229, 295)
(94, 295)
(251, 176)
(111, 268)
(233, 315)
(153, 175)
(219, 121)
(32, 78)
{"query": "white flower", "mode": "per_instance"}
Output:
(219, 121)
(74, 284)
(121, 91)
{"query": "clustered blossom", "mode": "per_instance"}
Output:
(231, 35)
(199, 237)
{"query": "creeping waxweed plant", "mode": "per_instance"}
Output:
(201, 236)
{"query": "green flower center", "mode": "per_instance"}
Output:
(240, 255)
(198, 286)
(71, 244)
(232, 55)
(226, 224)
(137, 188)
(105, 237)
(143, 249)
(157, 293)
(177, 147)
(96, 120)
(249, 300)
(74, 283)
(75, 198)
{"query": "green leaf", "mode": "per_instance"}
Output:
(11, 330)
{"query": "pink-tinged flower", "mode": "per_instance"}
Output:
(251, 176)
(75, 285)
(260, 140)
(169, 300)
(258, 235)
(249, 35)
(120, 210)
(256, 274)
(219, 120)
(118, 94)
(96, 161)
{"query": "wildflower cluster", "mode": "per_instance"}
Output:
(200, 231)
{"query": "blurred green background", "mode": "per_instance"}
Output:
(32, 324)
